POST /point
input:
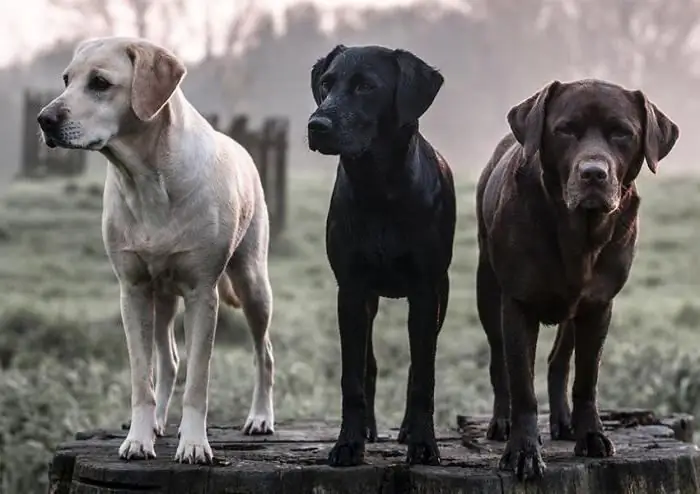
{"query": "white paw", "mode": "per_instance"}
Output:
(139, 443)
(194, 446)
(160, 428)
(137, 449)
(195, 451)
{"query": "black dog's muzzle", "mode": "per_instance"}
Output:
(321, 135)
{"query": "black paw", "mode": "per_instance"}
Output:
(522, 456)
(594, 445)
(347, 453)
(499, 429)
(560, 423)
(423, 450)
(371, 429)
(403, 431)
(560, 428)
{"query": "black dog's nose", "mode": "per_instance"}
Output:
(593, 171)
(320, 125)
(50, 119)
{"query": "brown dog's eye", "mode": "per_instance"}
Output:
(99, 83)
(620, 134)
(566, 130)
(65, 80)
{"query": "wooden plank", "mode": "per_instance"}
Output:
(650, 460)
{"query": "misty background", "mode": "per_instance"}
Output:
(493, 53)
(63, 362)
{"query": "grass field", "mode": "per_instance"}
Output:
(62, 349)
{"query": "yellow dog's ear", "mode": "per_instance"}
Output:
(157, 74)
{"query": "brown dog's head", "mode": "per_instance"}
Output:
(592, 137)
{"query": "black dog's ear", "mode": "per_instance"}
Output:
(416, 87)
(527, 119)
(320, 67)
(660, 133)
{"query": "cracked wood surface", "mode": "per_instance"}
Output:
(654, 455)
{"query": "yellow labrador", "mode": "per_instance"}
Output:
(183, 215)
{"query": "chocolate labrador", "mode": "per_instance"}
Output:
(557, 227)
(389, 231)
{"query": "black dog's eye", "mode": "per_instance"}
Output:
(325, 86)
(364, 87)
(99, 83)
(65, 80)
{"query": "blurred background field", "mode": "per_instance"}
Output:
(62, 350)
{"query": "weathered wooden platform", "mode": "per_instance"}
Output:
(654, 456)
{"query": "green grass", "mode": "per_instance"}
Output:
(62, 349)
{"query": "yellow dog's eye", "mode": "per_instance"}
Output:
(65, 80)
(99, 83)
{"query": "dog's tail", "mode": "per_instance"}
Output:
(227, 293)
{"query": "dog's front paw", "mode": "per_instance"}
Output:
(193, 447)
(347, 451)
(140, 441)
(594, 445)
(499, 429)
(522, 456)
(422, 448)
(195, 451)
(137, 449)
(590, 440)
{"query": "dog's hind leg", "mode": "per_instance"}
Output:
(167, 358)
(371, 374)
(558, 380)
(488, 294)
(248, 272)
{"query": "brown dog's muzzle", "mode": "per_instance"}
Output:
(593, 186)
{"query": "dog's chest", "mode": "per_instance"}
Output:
(389, 255)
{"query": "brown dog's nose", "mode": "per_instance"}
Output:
(593, 172)
(50, 119)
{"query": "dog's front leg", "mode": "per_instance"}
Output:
(201, 311)
(136, 302)
(520, 331)
(425, 305)
(354, 326)
(592, 323)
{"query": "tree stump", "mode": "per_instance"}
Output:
(654, 455)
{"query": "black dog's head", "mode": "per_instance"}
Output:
(593, 137)
(364, 92)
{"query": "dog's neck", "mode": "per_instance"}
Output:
(582, 235)
(136, 163)
(381, 171)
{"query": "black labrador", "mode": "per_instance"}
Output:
(557, 227)
(389, 231)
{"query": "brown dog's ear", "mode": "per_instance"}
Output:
(157, 74)
(527, 119)
(319, 68)
(417, 85)
(660, 133)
